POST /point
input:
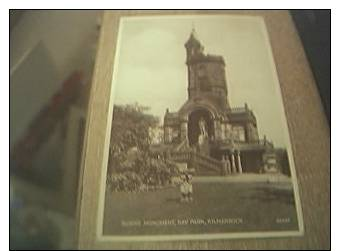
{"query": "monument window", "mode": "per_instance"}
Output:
(201, 71)
(204, 84)
(239, 133)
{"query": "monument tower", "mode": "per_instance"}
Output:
(206, 126)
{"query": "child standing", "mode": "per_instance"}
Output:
(186, 188)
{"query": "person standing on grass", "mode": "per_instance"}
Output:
(182, 188)
(189, 184)
(186, 188)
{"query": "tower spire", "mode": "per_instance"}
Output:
(193, 45)
(193, 31)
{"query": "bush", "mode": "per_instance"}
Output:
(147, 174)
(127, 181)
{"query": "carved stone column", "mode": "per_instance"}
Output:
(228, 164)
(239, 164)
(223, 131)
(233, 165)
(217, 129)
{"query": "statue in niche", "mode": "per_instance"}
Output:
(203, 137)
(203, 131)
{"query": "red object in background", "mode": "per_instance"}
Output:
(44, 123)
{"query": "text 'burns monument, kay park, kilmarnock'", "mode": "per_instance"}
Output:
(210, 136)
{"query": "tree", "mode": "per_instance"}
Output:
(130, 161)
(130, 129)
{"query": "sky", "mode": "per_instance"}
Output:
(150, 65)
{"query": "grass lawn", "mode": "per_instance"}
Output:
(240, 207)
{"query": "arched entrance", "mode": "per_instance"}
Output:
(200, 121)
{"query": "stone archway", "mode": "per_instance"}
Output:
(194, 129)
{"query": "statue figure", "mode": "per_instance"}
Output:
(228, 165)
(203, 138)
(203, 131)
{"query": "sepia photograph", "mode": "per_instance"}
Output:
(197, 144)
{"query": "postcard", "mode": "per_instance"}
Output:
(198, 144)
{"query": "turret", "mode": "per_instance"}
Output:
(193, 47)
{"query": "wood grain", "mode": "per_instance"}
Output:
(307, 124)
